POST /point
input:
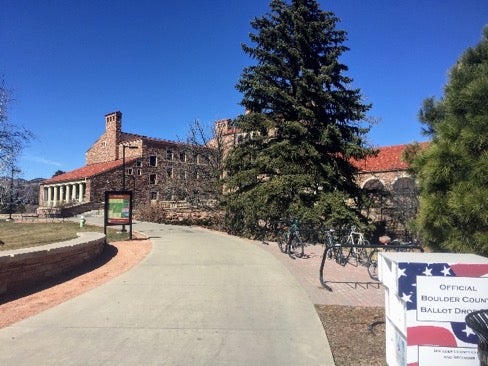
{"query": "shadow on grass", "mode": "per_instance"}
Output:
(107, 254)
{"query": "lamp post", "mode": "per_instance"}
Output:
(123, 171)
(11, 204)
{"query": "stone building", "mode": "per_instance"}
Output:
(386, 170)
(154, 169)
(173, 173)
(390, 187)
(392, 190)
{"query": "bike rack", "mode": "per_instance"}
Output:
(366, 284)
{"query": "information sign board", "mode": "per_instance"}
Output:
(118, 209)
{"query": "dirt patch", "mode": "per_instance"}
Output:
(356, 334)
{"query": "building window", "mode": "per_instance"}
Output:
(139, 172)
(405, 186)
(138, 163)
(182, 157)
(154, 196)
(374, 186)
(169, 155)
(203, 159)
(153, 160)
(169, 172)
(129, 171)
(152, 179)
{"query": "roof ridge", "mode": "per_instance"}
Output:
(137, 136)
(88, 171)
(388, 158)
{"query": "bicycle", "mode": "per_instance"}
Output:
(373, 264)
(335, 252)
(392, 246)
(282, 239)
(357, 242)
(290, 241)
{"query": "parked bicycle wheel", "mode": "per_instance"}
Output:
(297, 247)
(331, 253)
(362, 253)
(373, 264)
(337, 253)
(283, 242)
(341, 257)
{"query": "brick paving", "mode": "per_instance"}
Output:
(307, 270)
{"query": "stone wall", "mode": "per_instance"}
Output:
(108, 181)
(26, 267)
(392, 204)
(386, 178)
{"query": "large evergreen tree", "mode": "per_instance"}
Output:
(303, 125)
(453, 171)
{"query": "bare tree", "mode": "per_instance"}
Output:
(206, 146)
(12, 137)
(192, 188)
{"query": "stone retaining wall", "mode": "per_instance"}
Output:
(25, 267)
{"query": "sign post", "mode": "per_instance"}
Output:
(118, 209)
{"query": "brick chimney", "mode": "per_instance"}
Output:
(113, 132)
(106, 148)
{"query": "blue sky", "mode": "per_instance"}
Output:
(165, 64)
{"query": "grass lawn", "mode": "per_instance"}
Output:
(15, 235)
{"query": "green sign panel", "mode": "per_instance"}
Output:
(118, 209)
(118, 212)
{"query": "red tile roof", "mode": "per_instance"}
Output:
(389, 158)
(87, 171)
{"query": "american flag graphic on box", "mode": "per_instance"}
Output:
(437, 297)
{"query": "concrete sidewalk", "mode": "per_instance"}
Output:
(199, 298)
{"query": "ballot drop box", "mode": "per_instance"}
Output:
(427, 298)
